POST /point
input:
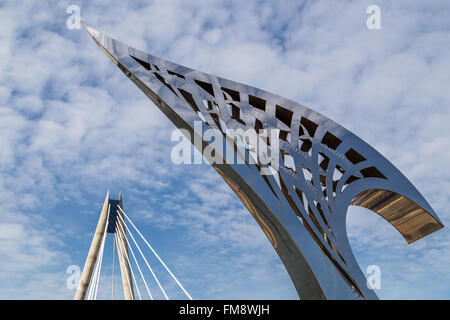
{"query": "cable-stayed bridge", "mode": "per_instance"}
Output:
(113, 220)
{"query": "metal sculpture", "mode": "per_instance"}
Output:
(323, 169)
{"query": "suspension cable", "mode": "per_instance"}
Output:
(119, 249)
(129, 262)
(102, 251)
(154, 252)
(146, 262)
(100, 268)
(137, 264)
(114, 264)
(93, 283)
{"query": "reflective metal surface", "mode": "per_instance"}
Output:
(323, 169)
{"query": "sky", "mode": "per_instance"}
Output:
(73, 126)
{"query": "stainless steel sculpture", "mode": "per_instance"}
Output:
(323, 169)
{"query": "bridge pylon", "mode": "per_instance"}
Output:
(108, 222)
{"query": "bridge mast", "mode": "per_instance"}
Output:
(108, 215)
(123, 255)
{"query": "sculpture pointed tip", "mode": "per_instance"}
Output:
(92, 32)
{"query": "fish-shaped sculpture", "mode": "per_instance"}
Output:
(322, 169)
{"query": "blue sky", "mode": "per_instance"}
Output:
(73, 126)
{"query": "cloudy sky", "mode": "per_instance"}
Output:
(73, 126)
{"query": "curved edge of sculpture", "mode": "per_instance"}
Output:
(323, 170)
(412, 221)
